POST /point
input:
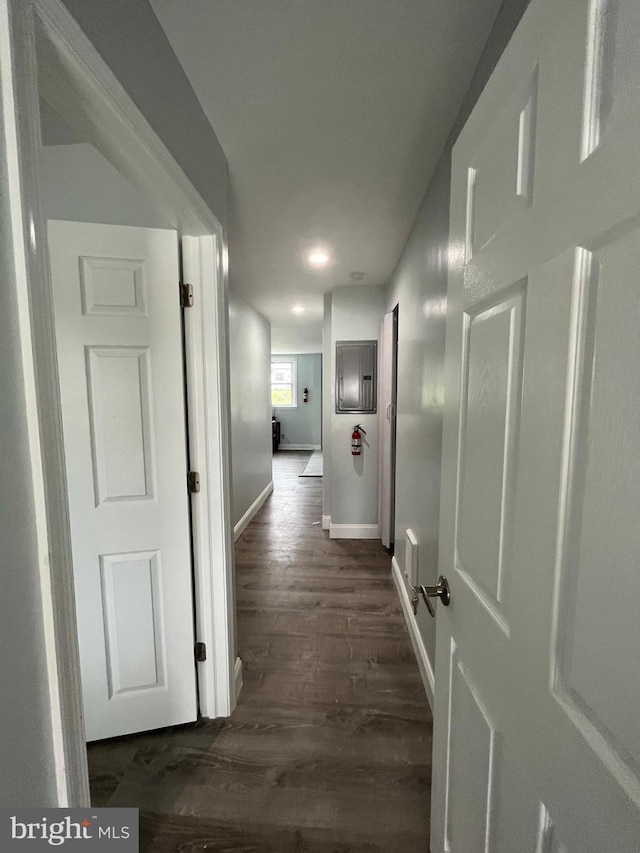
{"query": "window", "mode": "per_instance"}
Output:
(283, 384)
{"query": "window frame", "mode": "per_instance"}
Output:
(293, 361)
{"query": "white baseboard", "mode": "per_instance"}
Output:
(253, 509)
(326, 522)
(353, 531)
(237, 671)
(285, 446)
(426, 668)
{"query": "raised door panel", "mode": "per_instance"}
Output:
(612, 71)
(597, 672)
(134, 621)
(472, 766)
(113, 286)
(500, 174)
(118, 386)
(489, 424)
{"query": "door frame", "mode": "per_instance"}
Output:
(43, 52)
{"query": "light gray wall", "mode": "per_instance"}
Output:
(26, 750)
(303, 425)
(305, 337)
(250, 362)
(54, 129)
(130, 39)
(419, 287)
(80, 185)
(356, 314)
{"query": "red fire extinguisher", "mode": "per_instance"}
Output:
(356, 439)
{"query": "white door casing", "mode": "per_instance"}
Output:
(536, 741)
(118, 338)
(386, 416)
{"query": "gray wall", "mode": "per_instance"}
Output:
(250, 362)
(419, 287)
(297, 338)
(80, 185)
(356, 314)
(26, 750)
(131, 41)
(303, 425)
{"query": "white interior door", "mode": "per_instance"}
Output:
(118, 338)
(537, 710)
(386, 417)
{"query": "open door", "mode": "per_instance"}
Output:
(118, 337)
(537, 698)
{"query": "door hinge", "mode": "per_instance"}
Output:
(193, 482)
(201, 652)
(186, 295)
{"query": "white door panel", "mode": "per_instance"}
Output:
(119, 353)
(536, 743)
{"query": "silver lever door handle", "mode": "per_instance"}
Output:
(440, 590)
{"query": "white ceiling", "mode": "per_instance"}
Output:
(332, 115)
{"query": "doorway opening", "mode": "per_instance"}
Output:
(56, 71)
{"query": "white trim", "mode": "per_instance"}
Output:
(354, 531)
(18, 76)
(285, 446)
(209, 449)
(326, 522)
(239, 529)
(424, 664)
(76, 81)
(238, 677)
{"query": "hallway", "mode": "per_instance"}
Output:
(329, 748)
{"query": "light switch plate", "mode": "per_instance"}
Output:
(411, 558)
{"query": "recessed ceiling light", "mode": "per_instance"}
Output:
(318, 257)
(356, 275)
(297, 309)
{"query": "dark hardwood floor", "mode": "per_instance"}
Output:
(329, 749)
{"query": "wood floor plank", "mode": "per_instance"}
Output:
(329, 749)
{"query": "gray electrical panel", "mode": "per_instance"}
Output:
(356, 377)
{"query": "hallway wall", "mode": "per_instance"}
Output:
(80, 185)
(250, 366)
(419, 287)
(131, 41)
(356, 314)
(302, 425)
